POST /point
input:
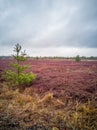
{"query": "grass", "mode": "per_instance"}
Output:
(28, 110)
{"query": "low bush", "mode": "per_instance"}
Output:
(77, 58)
(14, 80)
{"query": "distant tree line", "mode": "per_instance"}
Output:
(54, 57)
(61, 57)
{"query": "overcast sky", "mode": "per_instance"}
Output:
(49, 27)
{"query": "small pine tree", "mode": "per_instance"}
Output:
(77, 58)
(17, 76)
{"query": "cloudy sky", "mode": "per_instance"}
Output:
(49, 27)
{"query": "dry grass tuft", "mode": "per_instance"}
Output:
(30, 110)
(47, 98)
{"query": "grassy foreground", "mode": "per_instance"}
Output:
(29, 111)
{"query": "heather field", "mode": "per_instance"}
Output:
(62, 77)
(65, 78)
(63, 97)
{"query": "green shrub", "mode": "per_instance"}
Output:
(26, 79)
(77, 58)
(10, 77)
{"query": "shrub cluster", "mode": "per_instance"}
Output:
(77, 58)
(16, 80)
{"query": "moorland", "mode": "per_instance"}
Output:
(63, 96)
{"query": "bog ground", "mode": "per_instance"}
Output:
(62, 77)
(65, 78)
(64, 96)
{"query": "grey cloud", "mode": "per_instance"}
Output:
(49, 23)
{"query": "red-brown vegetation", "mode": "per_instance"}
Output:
(62, 97)
(63, 78)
